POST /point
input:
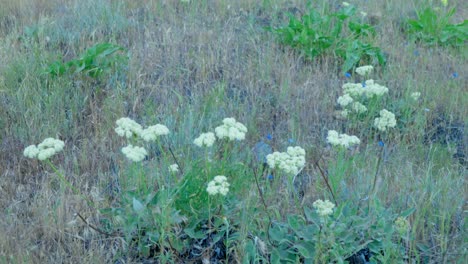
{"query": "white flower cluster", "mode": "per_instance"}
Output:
(134, 153)
(219, 185)
(174, 168)
(153, 132)
(369, 89)
(128, 128)
(290, 162)
(415, 95)
(231, 129)
(364, 70)
(355, 95)
(45, 150)
(205, 139)
(336, 139)
(323, 208)
(386, 120)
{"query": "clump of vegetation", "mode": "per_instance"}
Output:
(98, 59)
(433, 27)
(342, 34)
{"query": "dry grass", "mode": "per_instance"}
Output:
(191, 65)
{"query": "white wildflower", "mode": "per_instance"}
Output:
(359, 108)
(153, 132)
(323, 208)
(374, 89)
(415, 95)
(218, 185)
(231, 129)
(31, 152)
(364, 70)
(290, 162)
(205, 139)
(345, 100)
(134, 153)
(386, 120)
(174, 168)
(363, 14)
(336, 139)
(345, 4)
(355, 90)
(45, 150)
(128, 128)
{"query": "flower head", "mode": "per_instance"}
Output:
(344, 100)
(205, 139)
(174, 168)
(45, 150)
(444, 2)
(128, 128)
(231, 129)
(323, 208)
(218, 185)
(386, 120)
(134, 153)
(290, 162)
(336, 139)
(364, 70)
(151, 133)
(415, 95)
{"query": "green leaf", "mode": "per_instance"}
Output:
(137, 205)
(306, 249)
(407, 212)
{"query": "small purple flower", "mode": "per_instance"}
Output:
(416, 53)
(363, 84)
(269, 137)
(347, 75)
(455, 74)
(291, 140)
(381, 143)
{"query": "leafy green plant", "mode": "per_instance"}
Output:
(361, 232)
(95, 61)
(339, 34)
(434, 28)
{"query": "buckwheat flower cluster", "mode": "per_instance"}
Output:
(336, 139)
(174, 168)
(415, 95)
(364, 70)
(358, 108)
(128, 128)
(344, 100)
(45, 150)
(323, 208)
(231, 129)
(290, 162)
(134, 153)
(374, 89)
(153, 132)
(219, 185)
(369, 89)
(205, 139)
(386, 120)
